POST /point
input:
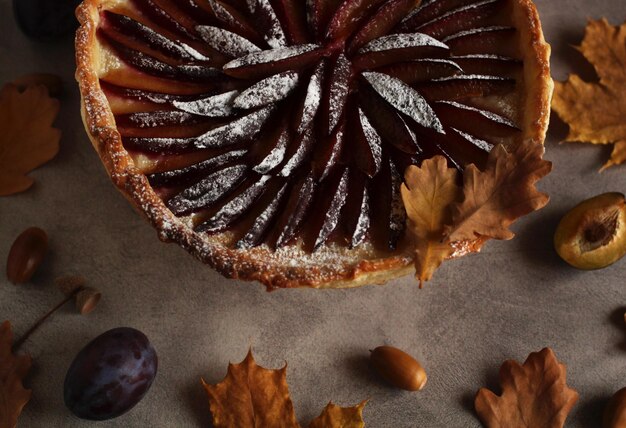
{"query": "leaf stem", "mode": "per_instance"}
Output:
(44, 317)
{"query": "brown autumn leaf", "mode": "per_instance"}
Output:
(595, 111)
(505, 191)
(618, 154)
(340, 417)
(28, 139)
(534, 394)
(13, 368)
(251, 396)
(428, 193)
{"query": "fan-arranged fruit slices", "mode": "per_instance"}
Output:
(289, 123)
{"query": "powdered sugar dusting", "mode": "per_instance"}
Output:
(415, 11)
(487, 114)
(158, 118)
(152, 38)
(226, 42)
(373, 140)
(363, 222)
(333, 212)
(275, 156)
(262, 221)
(222, 13)
(270, 55)
(207, 190)
(274, 35)
(165, 177)
(305, 144)
(472, 31)
(481, 144)
(458, 10)
(220, 105)
(401, 41)
(471, 77)
(267, 91)
(404, 98)
(338, 90)
(312, 99)
(305, 198)
(225, 215)
(243, 128)
(194, 53)
(337, 139)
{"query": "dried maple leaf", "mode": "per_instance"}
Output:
(494, 198)
(427, 193)
(28, 139)
(534, 395)
(251, 396)
(340, 417)
(13, 368)
(595, 112)
(618, 155)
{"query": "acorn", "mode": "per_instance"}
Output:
(26, 254)
(398, 368)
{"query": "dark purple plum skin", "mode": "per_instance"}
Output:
(110, 375)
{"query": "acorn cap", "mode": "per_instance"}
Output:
(68, 284)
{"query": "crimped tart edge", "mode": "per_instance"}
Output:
(259, 265)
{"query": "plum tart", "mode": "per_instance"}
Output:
(269, 137)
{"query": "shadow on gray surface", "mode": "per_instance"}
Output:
(198, 402)
(558, 131)
(491, 382)
(565, 48)
(359, 367)
(467, 401)
(617, 319)
(536, 240)
(575, 63)
(590, 410)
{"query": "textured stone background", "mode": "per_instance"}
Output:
(513, 298)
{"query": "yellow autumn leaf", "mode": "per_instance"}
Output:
(428, 192)
(595, 112)
(340, 417)
(28, 139)
(251, 396)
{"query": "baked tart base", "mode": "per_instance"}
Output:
(331, 265)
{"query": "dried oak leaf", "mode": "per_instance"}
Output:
(251, 396)
(13, 368)
(28, 139)
(534, 395)
(595, 112)
(428, 193)
(505, 191)
(336, 416)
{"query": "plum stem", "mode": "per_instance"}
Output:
(45, 316)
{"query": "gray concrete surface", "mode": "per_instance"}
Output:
(513, 298)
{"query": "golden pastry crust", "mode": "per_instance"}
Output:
(331, 266)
